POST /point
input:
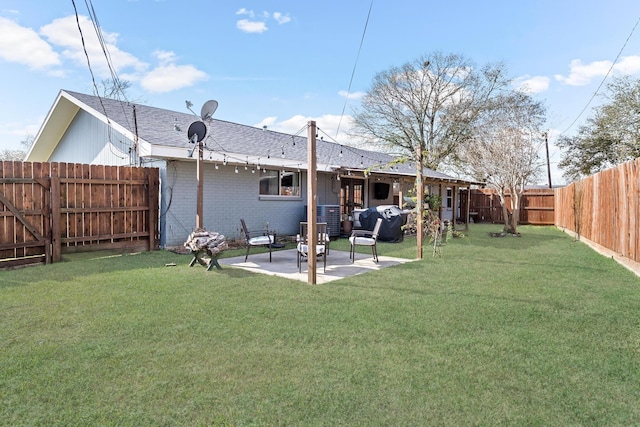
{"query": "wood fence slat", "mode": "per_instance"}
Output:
(604, 208)
(47, 209)
(537, 206)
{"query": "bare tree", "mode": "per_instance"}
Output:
(114, 89)
(18, 155)
(424, 110)
(504, 152)
(12, 155)
(27, 142)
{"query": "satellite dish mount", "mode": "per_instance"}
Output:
(197, 133)
(208, 109)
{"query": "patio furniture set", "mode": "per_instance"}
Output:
(357, 238)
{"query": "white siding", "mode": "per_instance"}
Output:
(91, 141)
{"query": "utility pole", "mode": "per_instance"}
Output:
(546, 144)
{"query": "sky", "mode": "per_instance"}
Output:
(283, 63)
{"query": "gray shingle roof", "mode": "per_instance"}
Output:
(157, 127)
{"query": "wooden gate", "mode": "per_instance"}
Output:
(47, 209)
(25, 214)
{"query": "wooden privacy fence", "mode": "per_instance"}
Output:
(47, 209)
(537, 206)
(604, 208)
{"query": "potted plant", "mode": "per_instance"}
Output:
(346, 223)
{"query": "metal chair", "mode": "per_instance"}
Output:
(321, 244)
(365, 238)
(261, 238)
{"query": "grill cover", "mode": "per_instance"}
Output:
(393, 218)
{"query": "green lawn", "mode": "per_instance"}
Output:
(536, 330)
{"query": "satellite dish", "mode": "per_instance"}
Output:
(208, 109)
(197, 129)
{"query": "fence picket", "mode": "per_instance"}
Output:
(608, 211)
(53, 208)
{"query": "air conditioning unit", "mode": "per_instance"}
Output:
(329, 214)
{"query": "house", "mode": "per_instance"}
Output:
(250, 173)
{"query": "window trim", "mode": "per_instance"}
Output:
(280, 196)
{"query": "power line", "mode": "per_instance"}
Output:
(86, 54)
(353, 72)
(603, 79)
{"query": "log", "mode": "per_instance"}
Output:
(210, 241)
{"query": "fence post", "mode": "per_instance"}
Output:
(56, 229)
(152, 197)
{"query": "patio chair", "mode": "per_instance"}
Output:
(321, 244)
(261, 238)
(365, 238)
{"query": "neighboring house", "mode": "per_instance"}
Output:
(250, 173)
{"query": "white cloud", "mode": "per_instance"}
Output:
(582, 74)
(165, 57)
(244, 11)
(251, 26)
(267, 121)
(529, 84)
(259, 25)
(24, 46)
(327, 125)
(628, 65)
(280, 18)
(63, 32)
(165, 77)
(168, 76)
(353, 95)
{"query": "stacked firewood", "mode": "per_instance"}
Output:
(201, 240)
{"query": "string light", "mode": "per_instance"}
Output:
(372, 162)
(236, 169)
(217, 167)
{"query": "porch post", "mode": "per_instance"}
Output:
(466, 223)
(312, 218)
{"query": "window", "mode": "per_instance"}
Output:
(449, 198)
(279, 183)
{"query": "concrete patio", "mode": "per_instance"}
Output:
(284, 265)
